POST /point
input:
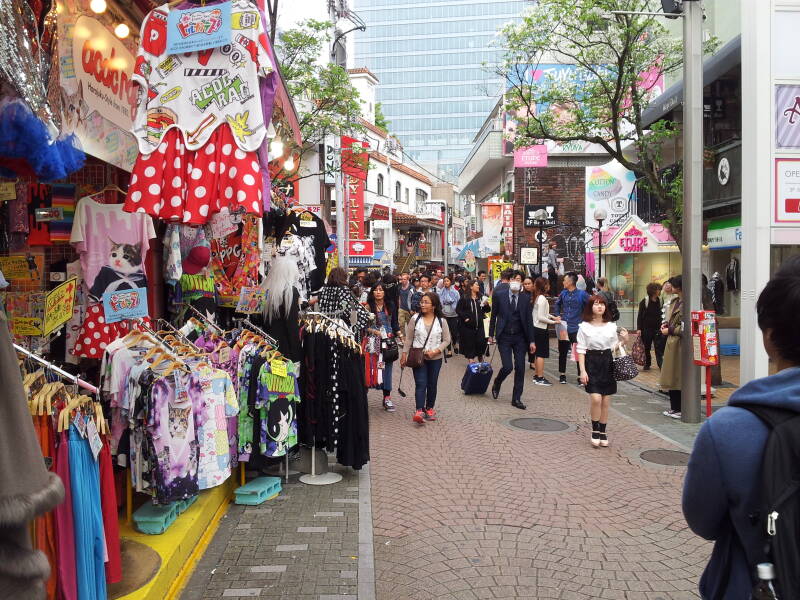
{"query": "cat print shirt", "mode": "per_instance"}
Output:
(214, 402)
(199, 91)
(112, 245)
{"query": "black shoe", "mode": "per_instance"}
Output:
(518, 405)
(495, 391)
(562, 379)
(646, 368)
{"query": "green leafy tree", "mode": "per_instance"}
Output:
(326, 100)
(380, 118)
(617, 60)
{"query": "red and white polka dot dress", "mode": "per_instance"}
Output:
(95, 334)
(185, 186)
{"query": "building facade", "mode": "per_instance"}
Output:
(429, 57)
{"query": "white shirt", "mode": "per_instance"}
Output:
(421, 332)
(594, 337)
(541, 313)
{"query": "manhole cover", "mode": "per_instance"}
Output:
(537, 424)
(669, 458)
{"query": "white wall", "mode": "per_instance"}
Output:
(366, 92)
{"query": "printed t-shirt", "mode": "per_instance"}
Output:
(112, 245)
(199, 91)
(214, 401)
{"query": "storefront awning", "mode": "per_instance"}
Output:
(728, 57)
(360, 261)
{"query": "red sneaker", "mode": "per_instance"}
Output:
(430, 414)
(418, 417)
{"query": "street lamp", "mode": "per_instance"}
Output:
(540, 217)
(443, 206)
(600, 215)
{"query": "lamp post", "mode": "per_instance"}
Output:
(600, 215)
(443, 205)
(540, 216)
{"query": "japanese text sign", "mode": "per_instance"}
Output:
(58, 306)
(201, 28)
(125, 304)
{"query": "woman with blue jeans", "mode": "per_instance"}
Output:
(386, 326)
(429, 331)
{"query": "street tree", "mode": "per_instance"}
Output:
(380, 118)
(616, 63)
(327, 102)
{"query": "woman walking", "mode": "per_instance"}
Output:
(597, 339)
(428, 331)
(672, 330)
(449, 298)
(385, 326)
(472, 310)
(648, 322)
(336, 298)
(527, 286)
(541, 320)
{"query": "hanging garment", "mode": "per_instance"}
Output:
(235, 260)
(308, 225)
(188, 186)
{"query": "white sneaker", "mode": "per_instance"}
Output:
(672, 413)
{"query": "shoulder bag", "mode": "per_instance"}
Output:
(624, 367)
(416, 358)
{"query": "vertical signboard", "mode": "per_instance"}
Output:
(508, 229)
(354, 168)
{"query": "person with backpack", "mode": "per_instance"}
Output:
(427, 331)
(569, 306)
(648, 322)
(741, 480)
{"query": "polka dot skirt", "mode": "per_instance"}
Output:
(185, 186)
(95, 334)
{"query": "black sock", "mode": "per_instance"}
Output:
(602, 429)
(386, 393)
(595, 429)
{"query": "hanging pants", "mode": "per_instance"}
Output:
(87, 515)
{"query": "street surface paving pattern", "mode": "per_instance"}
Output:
(469, 507)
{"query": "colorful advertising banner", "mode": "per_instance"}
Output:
(100, 97)
(609, 187)
(530, 156)
(492, 217)
(125, 304)
(200, 28)
(251, 300)
(354, 167)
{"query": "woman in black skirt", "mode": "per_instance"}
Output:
(597, 338)
(472, 310)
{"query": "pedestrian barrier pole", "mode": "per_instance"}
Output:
(708, 391)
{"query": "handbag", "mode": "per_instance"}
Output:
(416, 358)
(638, 353)
(389, 350)
(624, 367)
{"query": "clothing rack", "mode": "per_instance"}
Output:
(203, 318)
(330, 317)
(166, 324)
(249, 324)
(73, 378)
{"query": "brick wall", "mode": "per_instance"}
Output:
(562, 187)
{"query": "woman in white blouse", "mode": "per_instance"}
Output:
(541, 320)
(597, 338)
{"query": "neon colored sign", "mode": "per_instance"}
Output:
(633, 240)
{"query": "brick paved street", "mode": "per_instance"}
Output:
(469, 507)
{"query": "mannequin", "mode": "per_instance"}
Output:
(282, 305)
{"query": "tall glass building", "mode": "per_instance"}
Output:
(429, 56)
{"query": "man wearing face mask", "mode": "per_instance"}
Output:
(512, 324)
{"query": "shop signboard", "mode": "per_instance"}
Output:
(99, 94)
(787, 191)
(787, 116)
(530, 211)
(725, 233)
(24, 270)
(633, 240)
(508, 229)
(529, 256)
(354, 164)
(8, 191)
(58, 306)
(530, 156)
(125, 304)
(361, 248)
(26, 326)
(330, 164)
(199, 28)
(608, 187)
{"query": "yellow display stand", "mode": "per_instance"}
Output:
(183, 544)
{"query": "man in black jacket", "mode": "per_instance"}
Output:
(512, 323)
(648, 322)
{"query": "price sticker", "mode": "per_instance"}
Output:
(80, 423)
(278, 368)
(95, 443)
(224, 354)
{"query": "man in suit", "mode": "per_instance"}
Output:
(512, 326)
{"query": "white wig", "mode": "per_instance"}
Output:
(281, 281)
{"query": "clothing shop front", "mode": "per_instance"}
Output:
(635, 255)
(145, 226)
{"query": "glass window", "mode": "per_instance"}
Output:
(397, 191)
(380, 184)
(407, 196)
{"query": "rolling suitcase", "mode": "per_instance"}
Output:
(477, 378)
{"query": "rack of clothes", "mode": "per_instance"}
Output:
(333, 414)
(80, 537)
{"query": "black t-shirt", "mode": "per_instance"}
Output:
(307, 224)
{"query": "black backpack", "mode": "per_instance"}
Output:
(612, 305)
(779, 517)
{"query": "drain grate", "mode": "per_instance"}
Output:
(538, 424)
(668, 458)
